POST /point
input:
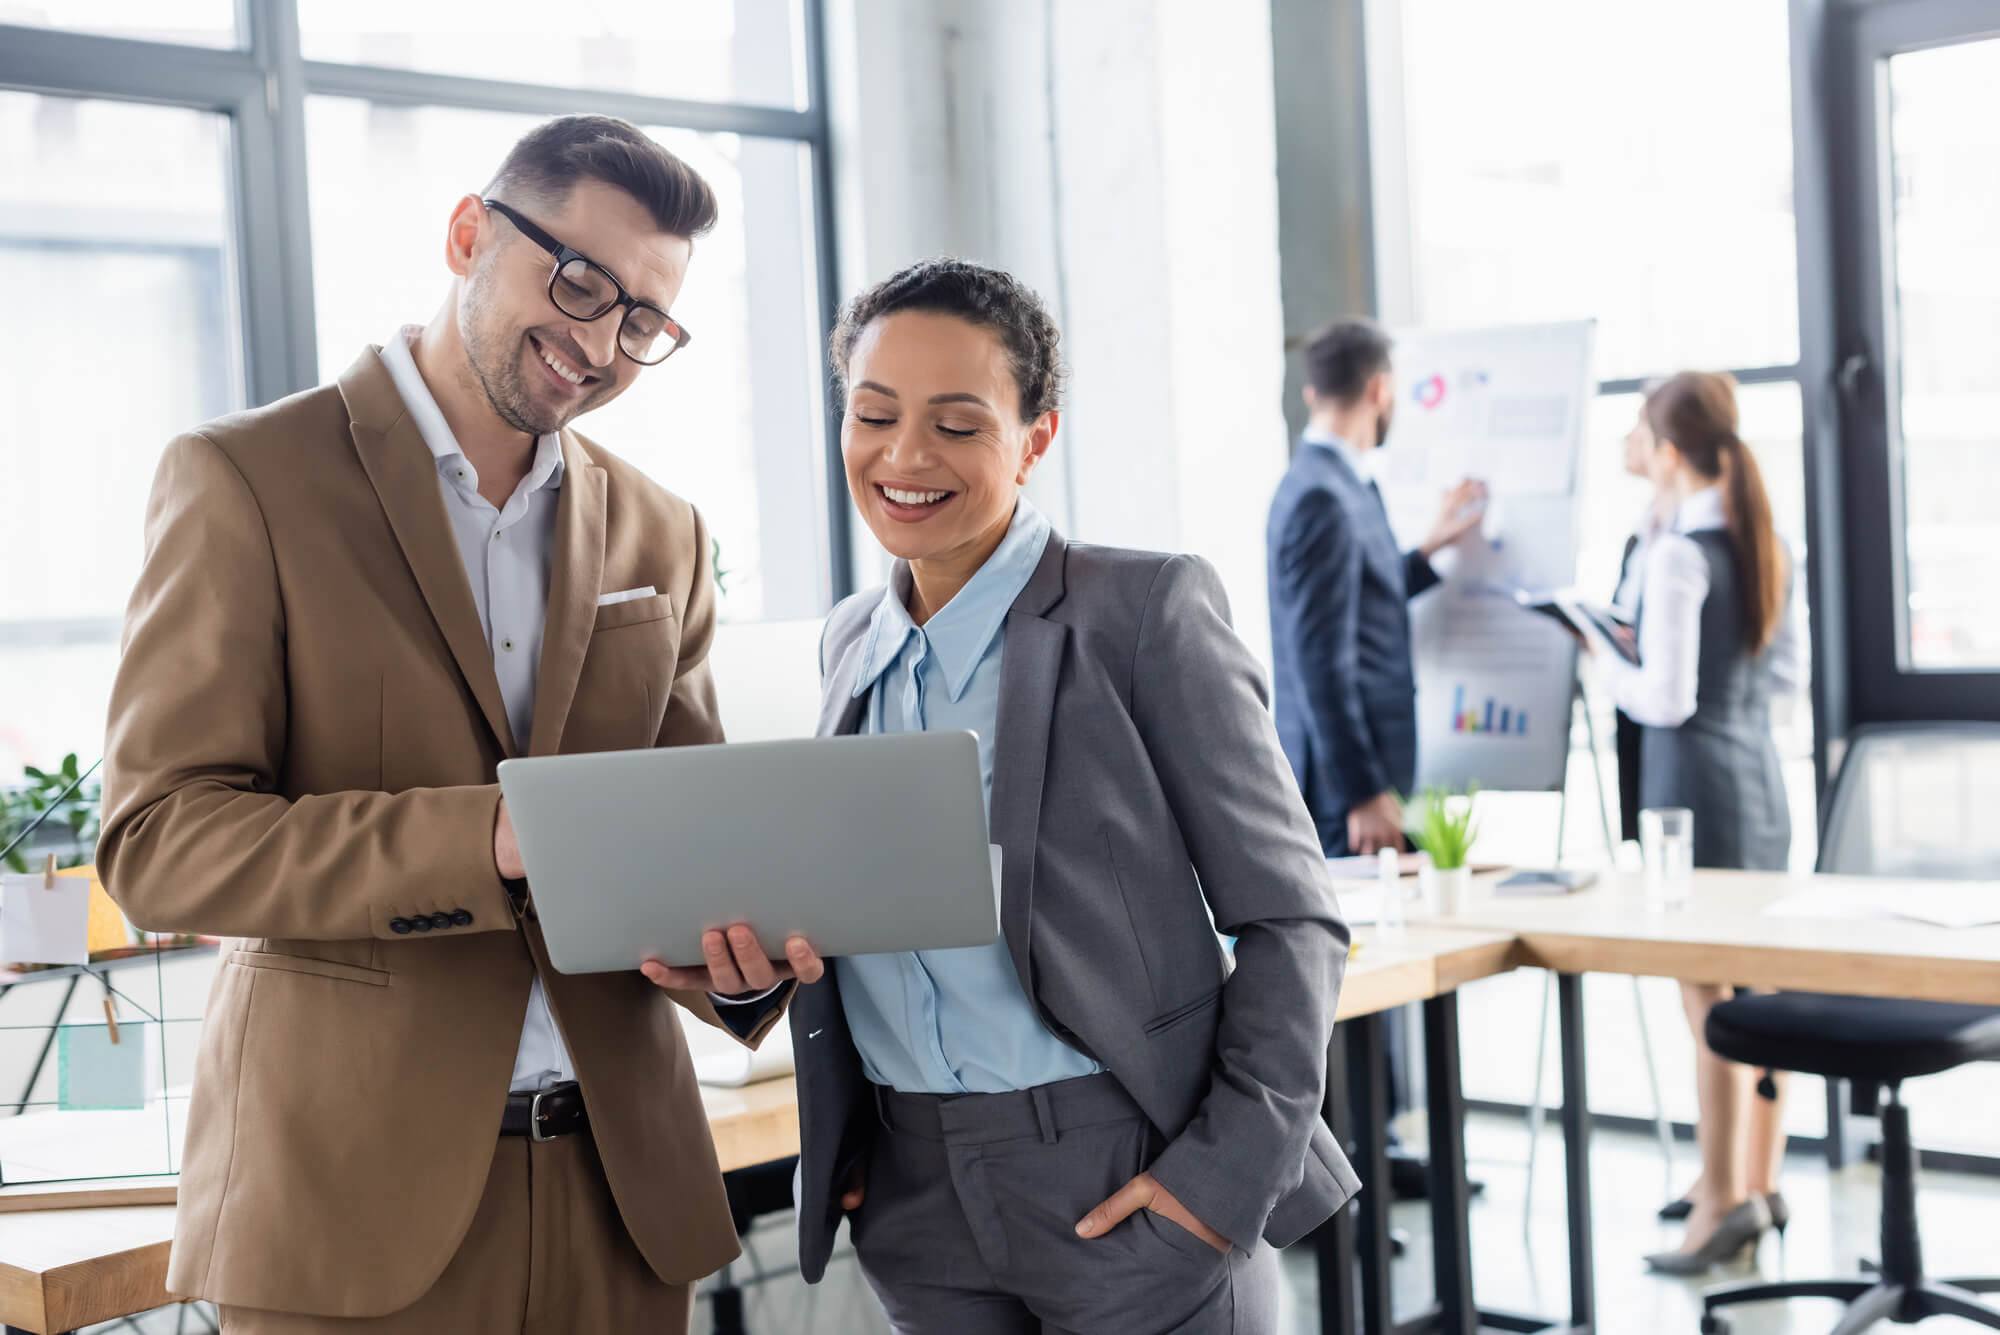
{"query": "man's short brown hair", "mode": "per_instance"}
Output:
(551, 158)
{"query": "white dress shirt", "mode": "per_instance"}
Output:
(1632, 580)
(1660, 691)
(1361, 461)
(508, 554)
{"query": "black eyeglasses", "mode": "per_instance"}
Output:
(584, 290)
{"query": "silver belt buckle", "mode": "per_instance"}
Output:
(535, 1118)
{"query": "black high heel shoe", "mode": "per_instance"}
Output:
(1736, 1234)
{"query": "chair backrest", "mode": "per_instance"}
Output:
(1917, 799)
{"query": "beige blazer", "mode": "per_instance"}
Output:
(302, 744)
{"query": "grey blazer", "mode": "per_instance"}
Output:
(1138, 787)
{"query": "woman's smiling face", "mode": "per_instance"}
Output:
(933, 440)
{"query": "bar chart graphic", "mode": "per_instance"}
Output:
(1491, 717)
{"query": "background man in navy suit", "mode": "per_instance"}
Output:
(1345, 687)
(1340, 621)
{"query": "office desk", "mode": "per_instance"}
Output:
(1720, 936)
(65, 1268)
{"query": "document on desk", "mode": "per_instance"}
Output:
(1956, 905)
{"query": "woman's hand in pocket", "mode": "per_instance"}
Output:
(1145, 1193)
(857, 1189)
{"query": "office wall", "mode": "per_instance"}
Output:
(1120, 157)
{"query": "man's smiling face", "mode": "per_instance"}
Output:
(540, 368)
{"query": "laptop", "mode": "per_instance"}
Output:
(859, 844)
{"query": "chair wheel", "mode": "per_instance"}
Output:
(1714, 1323)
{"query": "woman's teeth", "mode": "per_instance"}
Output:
(914, 497)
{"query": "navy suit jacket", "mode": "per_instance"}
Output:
(1345, 689)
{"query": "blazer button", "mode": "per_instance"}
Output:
(441, 921)
(462, 918)
(420, 924)
(400, 926)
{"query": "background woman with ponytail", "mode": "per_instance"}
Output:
(1717, 641)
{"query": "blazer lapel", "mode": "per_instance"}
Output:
(840, 708)
(1030, 669)
(574, 582)
(404, 474)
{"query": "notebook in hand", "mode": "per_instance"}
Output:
(1581, 617)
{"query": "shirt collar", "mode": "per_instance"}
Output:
(1700, 510)
(961, 631)
(1354, 458)
(547, 470)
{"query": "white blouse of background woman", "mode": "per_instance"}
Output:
(1660, 691)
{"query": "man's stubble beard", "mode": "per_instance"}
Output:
(494, 357)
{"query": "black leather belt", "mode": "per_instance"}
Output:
(555, 1111)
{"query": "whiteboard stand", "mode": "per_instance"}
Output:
(1537, 1110)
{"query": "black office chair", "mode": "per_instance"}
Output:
(1909, 801)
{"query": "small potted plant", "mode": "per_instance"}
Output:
(1446, 832)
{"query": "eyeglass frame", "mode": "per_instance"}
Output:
(624, 302)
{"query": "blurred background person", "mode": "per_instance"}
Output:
(1717, 642)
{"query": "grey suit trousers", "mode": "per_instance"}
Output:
(968, 1225)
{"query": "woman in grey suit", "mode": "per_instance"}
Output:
(1096, 1124)
(1717, 642)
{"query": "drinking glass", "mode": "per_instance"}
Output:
(1666, 836)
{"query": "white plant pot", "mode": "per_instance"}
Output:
(1446, 890)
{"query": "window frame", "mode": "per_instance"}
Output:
(1851, 46)
(261, 86)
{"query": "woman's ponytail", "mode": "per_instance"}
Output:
(1760, 556)
(1696, 411)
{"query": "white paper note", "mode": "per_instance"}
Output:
(1959, 906)
(43, 926)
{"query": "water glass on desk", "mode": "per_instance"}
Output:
(1666, 835)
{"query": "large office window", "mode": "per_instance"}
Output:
(1944, 109)
(198, 222)
(116, 258)
(1567, 159)
(749, 51)
(194, 22)
(1632, 162)
(1553, 164)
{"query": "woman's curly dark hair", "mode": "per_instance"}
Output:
(978, 295)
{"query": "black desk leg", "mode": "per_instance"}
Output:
(1576, 1152)
(1333, 1241)
(1451, 1237)
(1368, 1093)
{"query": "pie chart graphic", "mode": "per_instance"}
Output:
(1429, 391)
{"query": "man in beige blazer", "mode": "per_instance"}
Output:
(355, 603)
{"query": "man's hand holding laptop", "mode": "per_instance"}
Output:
(733, 963)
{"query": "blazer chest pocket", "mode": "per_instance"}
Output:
(628, 673)
(638, 611)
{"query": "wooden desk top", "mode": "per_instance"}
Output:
(753, 1124)
(1723, 936)
(1422, 962)
(69, 1268)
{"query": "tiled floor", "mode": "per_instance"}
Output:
(1519, 1263)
